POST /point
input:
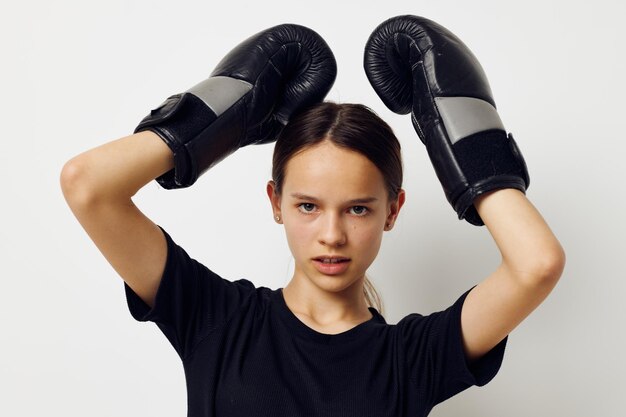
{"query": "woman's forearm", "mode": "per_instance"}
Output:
(116, 169)
(528, 246)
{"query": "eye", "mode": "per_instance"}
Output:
(359, 210)
(306, 207)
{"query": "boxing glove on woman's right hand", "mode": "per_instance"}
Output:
(247, 99)
(416, 65)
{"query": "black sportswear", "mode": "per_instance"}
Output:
(245, 354)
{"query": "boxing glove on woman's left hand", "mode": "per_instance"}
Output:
(247, 99)
(416, 65)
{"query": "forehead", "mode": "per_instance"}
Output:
(327, 170)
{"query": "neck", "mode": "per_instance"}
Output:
(325, 307)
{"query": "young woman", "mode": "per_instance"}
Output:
(318, 346)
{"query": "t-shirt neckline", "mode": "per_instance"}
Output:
(302, 330)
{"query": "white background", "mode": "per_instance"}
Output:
(77, 74)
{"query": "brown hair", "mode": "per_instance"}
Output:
(348, 125)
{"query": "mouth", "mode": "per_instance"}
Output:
(331, 265)
(331, 259)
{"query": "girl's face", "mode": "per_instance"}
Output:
(335, 207)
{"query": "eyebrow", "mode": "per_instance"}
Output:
(363, 200)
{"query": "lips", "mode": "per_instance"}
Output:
(331, 265)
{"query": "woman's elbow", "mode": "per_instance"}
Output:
(543, 268)
(552, 265)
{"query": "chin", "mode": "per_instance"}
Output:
(334, 283)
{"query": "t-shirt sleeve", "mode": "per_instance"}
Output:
(191, 300)
(435, 356)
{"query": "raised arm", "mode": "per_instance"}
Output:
(417, 65)
(98, 185)
(247, 99)
(532, 263)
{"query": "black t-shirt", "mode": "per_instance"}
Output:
(245, 354)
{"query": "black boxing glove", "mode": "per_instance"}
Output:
(247, 99)
(416, 65)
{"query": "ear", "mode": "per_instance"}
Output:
(394, 209)
(274, 200)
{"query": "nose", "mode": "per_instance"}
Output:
(332, 232)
